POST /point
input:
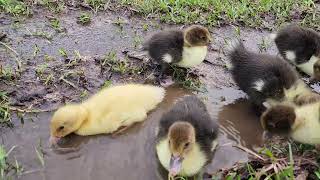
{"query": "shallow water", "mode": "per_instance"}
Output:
(129, 155)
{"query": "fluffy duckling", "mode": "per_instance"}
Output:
(262, 77)
(106, 111)
(186, 138)
(301, 123)
(185, 48)
(301, 47)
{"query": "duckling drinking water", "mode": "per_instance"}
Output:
(106, 111)
(187, 137)
(299, 122)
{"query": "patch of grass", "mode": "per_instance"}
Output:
(275, 165)
(317, 173)
(40, 69)
(181, 76)
(84, 18)
(106, 84)
(109, 58)
(77, 55)
(49, 79)
(95, 4)
(56, 6)
(48, 58)
(63, 52)
(5, 113)
(145, 27)
(218, 12)
(55, 24)
(136, 41)
(36, 50)
(39, 152)
(5, 166)
(120, 66)
(84, 94)
(14, 7)
(7, 73)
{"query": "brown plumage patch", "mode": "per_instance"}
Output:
(278, 119)
(309, 98)
(316, 70)
(179, 134)
(197, 35)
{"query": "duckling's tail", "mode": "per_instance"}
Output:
(237, 53)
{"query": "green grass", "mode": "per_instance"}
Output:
(84, 18)
(63, 52)
(106, 84)
(5, 114)
(7, 73)
(254, 13)
(6, 166)
(56, 6)
(55, 24)
(95, 4)
(280, 163)
(14, 7)
(182, 77)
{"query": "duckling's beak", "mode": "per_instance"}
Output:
(54, 140)
(210, 40)
(175, 165)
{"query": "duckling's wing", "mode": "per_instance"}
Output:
(113, 121)
(131, 116)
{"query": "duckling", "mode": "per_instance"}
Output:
(185, 48)
(301, 47)
(299, 122)
(106, 111)
(261, 76)
(187, 137)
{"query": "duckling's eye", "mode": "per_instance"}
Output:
(203, 37)
(60, 128)
(186, 145)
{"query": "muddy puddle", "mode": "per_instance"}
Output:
(129, 155)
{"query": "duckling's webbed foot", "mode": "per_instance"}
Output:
(162, 78)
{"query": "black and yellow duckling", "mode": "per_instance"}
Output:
(261, 76)
(186, 138)
(299, 122)
(185, 48)
(301, 47)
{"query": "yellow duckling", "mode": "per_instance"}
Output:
(106, 111)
